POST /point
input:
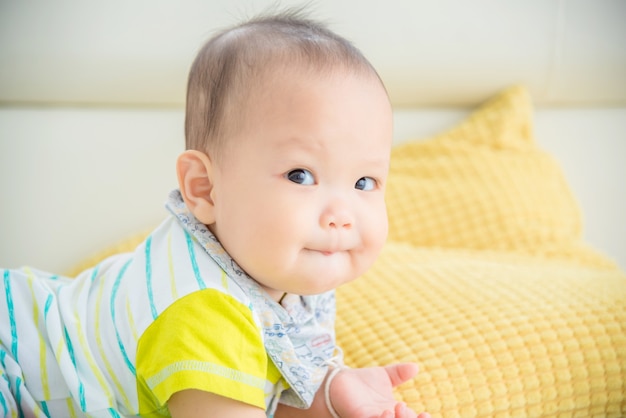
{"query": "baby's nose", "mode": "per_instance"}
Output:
(336, 216)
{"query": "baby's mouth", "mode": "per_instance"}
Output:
(327, 252)
(328, 249)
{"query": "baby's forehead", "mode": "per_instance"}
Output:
(279, 81)
(277, 74)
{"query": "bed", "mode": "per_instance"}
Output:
(503, 275)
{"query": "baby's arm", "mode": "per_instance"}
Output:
(193, 403)
(354, 392)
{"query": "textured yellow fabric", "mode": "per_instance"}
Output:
(495, 334)
(485, 184)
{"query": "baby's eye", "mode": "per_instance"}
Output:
(365, 184)
(301, 176)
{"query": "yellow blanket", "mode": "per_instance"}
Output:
(495, 334)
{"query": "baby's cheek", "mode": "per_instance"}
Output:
(379, 228)
(373, 245)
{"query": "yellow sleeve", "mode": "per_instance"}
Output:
(207, 340)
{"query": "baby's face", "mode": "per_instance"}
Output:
(299, 196)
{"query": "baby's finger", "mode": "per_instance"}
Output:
(387, 414)
(401, 372)
(402, 411)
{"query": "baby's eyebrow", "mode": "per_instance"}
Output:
(306, 145)
(378, 162)
(300, 143)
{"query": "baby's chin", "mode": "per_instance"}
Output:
(325, 286)
(307, 288)
(313, 274)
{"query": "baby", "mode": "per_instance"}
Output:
(227, 308)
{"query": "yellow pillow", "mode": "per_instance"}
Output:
(495, 334)
(485, 184)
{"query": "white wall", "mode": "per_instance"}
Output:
(430, 53)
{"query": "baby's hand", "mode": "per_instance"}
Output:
(401, 411)
(368, 392)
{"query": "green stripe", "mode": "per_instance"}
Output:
(13, 324)
(148, 250)
(194, 263)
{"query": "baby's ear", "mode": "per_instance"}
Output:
(195, 180)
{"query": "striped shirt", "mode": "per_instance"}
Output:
(177, 313)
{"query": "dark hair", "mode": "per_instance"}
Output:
(233, 62)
